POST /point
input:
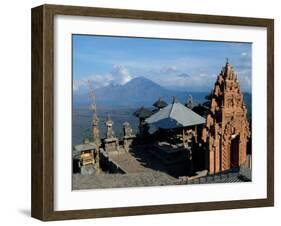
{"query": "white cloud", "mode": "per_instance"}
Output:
(244, 77)
(119, 76)
(168, 70)
(191, 82)
(97, 81)
(244, 54)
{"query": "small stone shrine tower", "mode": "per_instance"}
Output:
(111, 143)
(88, 156)
(227, 130)
(109, 130)
(128, 136)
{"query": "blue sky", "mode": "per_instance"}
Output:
(175, 64)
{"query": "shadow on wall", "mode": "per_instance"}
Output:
(25, 212)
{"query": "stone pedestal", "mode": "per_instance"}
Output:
(111, 144)
(128, 140)
(87, 170)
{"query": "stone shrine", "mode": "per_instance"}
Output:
(128, 136)
(89, 157)
(111, 143)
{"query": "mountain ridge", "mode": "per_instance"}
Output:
(139, 91)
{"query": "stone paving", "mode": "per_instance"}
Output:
(121, 180)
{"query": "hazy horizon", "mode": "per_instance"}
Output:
(174, 64)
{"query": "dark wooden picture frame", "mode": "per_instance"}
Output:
(42, 203)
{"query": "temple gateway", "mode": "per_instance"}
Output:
(226, 132)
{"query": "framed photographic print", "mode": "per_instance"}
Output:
(141, 112)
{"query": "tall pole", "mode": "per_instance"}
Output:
(95, 123)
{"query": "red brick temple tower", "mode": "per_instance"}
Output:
(226, 132)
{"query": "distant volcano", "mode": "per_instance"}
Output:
(138, 91)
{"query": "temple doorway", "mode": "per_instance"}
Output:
(234, 151)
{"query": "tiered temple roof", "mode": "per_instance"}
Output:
(160, 103)
(143, 113)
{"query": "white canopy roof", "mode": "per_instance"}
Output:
(175, 115)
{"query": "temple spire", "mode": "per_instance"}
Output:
(95, 121)
(226, 122)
